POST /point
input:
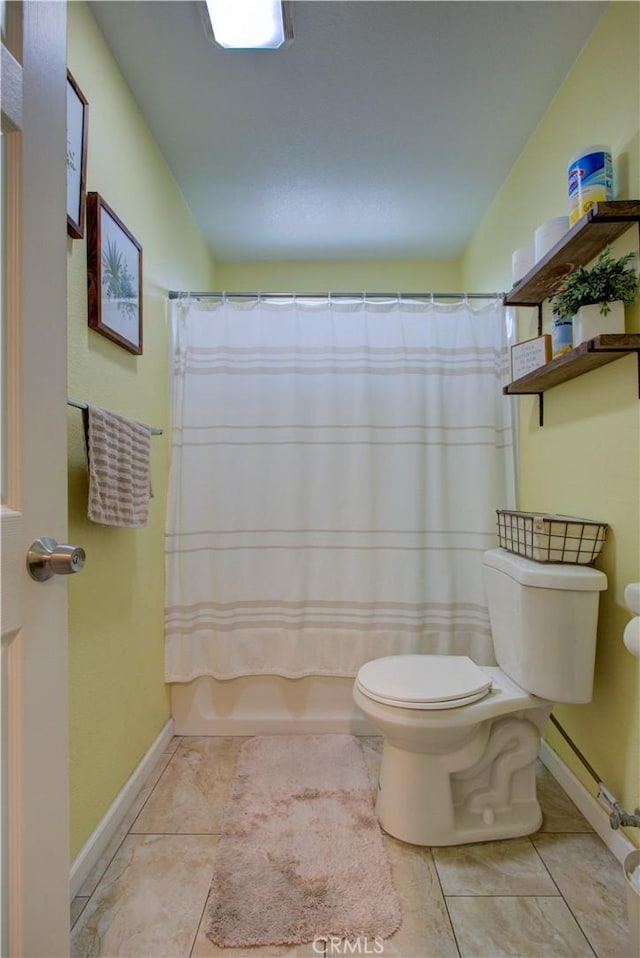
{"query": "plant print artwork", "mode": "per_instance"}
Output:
(75, 121)
(72, 165)
(120, 280)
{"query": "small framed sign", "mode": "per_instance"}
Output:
(530, 355)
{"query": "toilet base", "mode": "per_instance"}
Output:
(483, 790)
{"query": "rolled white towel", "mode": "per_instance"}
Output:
(632, 597)
(631, 636)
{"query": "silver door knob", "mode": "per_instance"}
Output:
(46, 558)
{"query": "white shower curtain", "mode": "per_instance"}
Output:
(336, 466)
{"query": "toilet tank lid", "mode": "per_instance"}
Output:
(541, 575)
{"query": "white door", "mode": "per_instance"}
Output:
(34, 698)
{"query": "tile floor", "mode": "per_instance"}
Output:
(557, 893)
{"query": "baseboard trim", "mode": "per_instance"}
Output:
(107, 826)
(615, 840)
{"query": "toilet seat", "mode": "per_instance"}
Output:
(423, 681)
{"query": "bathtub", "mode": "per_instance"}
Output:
(266, 705)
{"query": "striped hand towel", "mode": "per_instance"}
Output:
(119, 452)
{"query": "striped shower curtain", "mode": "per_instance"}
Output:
(335, 470)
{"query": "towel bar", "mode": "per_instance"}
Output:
(83, 405)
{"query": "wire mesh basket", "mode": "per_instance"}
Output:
(551, 538)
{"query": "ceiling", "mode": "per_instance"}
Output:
(384, 130)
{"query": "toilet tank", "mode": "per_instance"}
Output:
(543, 623)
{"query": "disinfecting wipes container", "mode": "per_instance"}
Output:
(590, 177)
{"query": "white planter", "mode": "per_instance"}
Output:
(589, 322)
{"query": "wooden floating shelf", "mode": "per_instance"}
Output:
(596, 229)
(588, 355)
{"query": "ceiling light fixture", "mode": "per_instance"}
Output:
(262, 24)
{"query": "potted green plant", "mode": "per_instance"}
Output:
(589, 294)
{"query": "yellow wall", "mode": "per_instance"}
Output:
(585, 461)
(383, 276)
(118, 699)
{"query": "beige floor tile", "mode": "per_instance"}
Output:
(509, 867)
(192, 793)
(372, 751)
(77, 907)
(500, 895)
(203, 948)
(150, 900)
(374, 742)
(89, 884)
(558, 811)
(425, 931)
(590, 879)
(524, 927)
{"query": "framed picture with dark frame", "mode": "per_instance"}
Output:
(114, 276)
(77, 135)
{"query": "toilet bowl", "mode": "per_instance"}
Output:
(441, 782)
(460, 739)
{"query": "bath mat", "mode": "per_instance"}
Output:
(300, 856)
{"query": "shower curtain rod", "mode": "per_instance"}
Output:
(222, 294)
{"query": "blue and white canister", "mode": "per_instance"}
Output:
(561, 335)
(590, 175)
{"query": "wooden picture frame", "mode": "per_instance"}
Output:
(530, 355)
(77, 138)
(114, 275)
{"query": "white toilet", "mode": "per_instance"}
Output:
(461, 740)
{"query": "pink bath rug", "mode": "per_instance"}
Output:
(301, 854)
